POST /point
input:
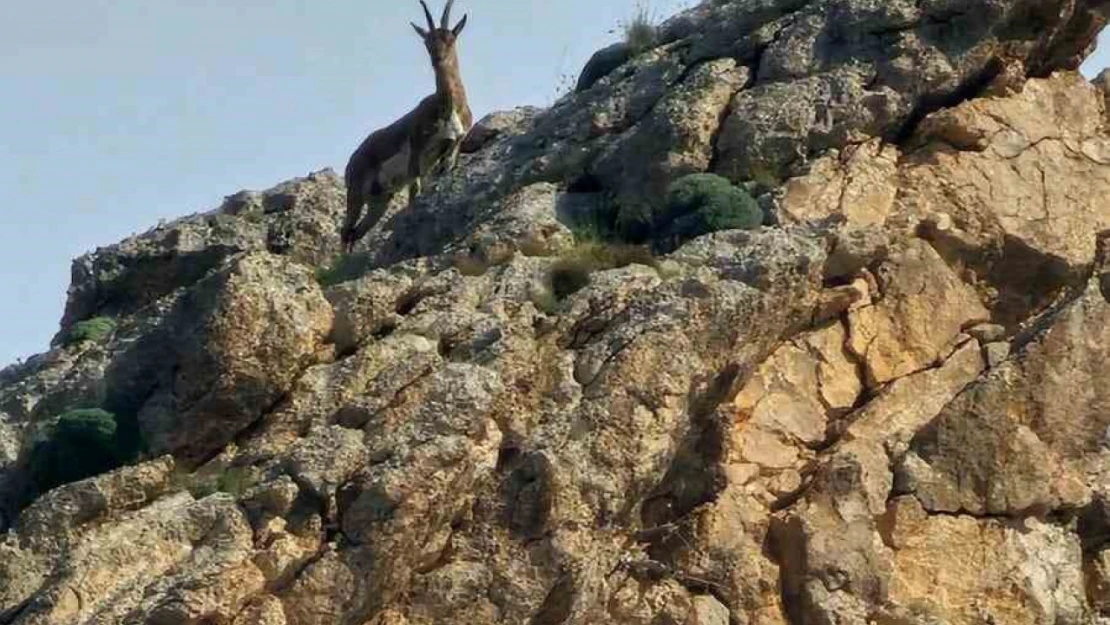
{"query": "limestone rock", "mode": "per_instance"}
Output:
(959, 569)
(835, 566)
(266, 611)
(1098, 582)
(1017, 439)
(908, 404)
(1020, 178)
(675, 139)
(922, 310)
(495, 125)
(801, 387)
(861, 184)
(425, 455)
(123, 543)
(784, 118)
(234, 345)
(296, 218)
(812, 421)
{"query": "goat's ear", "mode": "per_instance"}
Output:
(420, 31)
(458, 27)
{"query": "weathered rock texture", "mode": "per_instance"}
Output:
(888, 408)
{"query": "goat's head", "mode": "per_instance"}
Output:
(440, 41)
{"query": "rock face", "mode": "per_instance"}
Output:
(886, 406)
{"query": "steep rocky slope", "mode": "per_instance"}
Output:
(885, 406)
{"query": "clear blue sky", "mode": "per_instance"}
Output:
(116, 113)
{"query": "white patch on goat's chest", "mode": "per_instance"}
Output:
(452, 128)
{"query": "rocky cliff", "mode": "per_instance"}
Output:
(885, 405)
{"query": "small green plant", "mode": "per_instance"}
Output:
(640, 31)
(469, 265)
(532, 246)
(83, 443)
(345, 267)
(234, 481)
(594, 226)
(571, 272)
(543, 299)
(92, 330)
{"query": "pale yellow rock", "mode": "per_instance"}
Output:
(1027, 173)
(176, 557)
(633, 604)
(706, 610)
(782, 396)
(923, 308)
(266, 610)
(801, 386)
(766, 449)
(730, 555)
(967, 571)
(859, 182)
(785, 483)
(320, 592)
(284, 554)
(907, 404)
(1025, 436)
(837, 369)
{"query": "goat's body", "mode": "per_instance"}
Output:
(399, 156)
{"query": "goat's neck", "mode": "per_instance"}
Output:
(449, 85)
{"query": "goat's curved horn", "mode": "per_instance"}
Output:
(444, 22)
(428, 16)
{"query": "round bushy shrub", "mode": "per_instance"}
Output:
(81, 444)
(718, 204)
(93, 330)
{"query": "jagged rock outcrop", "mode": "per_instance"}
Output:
(883, 406)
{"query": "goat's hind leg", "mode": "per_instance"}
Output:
(376, 208)
(355, 201)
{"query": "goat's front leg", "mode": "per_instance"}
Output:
(447, 162)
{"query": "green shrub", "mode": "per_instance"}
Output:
(571, 272)
(90, 330)
(345, 267)
(81, 444)
(698, 204)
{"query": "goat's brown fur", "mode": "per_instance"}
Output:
(427, 137)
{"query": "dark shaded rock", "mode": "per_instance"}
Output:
(602, 63)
